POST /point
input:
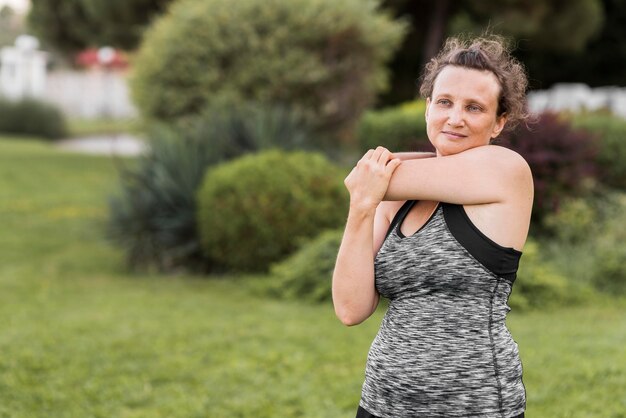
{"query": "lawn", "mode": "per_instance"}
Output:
(82, 337)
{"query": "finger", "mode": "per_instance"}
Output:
(392, 165)
(367, 155)
(385, 156)
(377, 153)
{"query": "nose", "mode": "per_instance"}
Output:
(455, 116)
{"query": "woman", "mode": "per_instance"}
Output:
(441, 238)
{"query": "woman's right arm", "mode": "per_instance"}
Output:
(354, 294)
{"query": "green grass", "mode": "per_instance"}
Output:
(90, 127)
(81, 337)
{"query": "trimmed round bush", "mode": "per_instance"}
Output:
(306, 274)
(399, 128)
(257, 209)
(326, 57)
(153, 216)
(32, 117)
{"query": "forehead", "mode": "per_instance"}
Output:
(467, 83)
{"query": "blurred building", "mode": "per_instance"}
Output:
(23, 69)
(99, 89)
(576, 97)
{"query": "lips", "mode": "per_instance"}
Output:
(455, 135)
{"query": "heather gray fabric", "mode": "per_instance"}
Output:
(443, 349)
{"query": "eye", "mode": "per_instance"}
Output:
(444, 102)
(474, 108)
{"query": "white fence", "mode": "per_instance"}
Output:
(579, 97)
(90, 94)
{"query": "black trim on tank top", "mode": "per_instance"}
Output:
(399, 216)
(401, 220)
(363, 413)
(502, 261)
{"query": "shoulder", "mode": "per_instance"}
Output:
(501, 158)
(495, 151)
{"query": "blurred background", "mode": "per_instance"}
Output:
(171, 174)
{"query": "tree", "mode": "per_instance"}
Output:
(325, 58)
(600, 63)
(72, 25)
(544, 26)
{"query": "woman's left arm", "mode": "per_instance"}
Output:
(485, 174)
(403, 156)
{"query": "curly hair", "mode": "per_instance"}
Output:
(486, 53)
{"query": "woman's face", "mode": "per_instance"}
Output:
(461, 112)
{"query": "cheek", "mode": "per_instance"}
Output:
(433, 119)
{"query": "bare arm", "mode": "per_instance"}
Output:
(413, 155)
(485, 174)
(354, 295)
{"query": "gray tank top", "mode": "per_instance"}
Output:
(443, 348)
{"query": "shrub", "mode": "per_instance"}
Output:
(538, 285)
(154, 216)
(574, 221)
(588, 241)
(306, 274)
(560, 157)
(609, 272)
(400, 128)
(610, 131)
(32, 117)
(255, 211)
(609, 263)
(233, 129)
(323, 56)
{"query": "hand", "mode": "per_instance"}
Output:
(369, 179)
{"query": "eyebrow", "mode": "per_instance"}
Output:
(471, 100)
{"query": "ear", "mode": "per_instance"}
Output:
(499, 126)
(427, 107)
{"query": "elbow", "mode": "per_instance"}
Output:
(348, 318)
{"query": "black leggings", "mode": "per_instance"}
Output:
(362, 413)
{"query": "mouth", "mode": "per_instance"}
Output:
(453, 135)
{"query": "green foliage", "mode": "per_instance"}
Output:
(611, 134)
(584, 36)
(539, 285)
(609, 266)
(588, 241)
(534, 22)
(306, 274)
(72, 25)
(233, 129)
(562, 160)
(32, 117)
(321, 56)
(255, 210)
(574, 221)
(598, 64)
(400, 128)
(153, 215)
